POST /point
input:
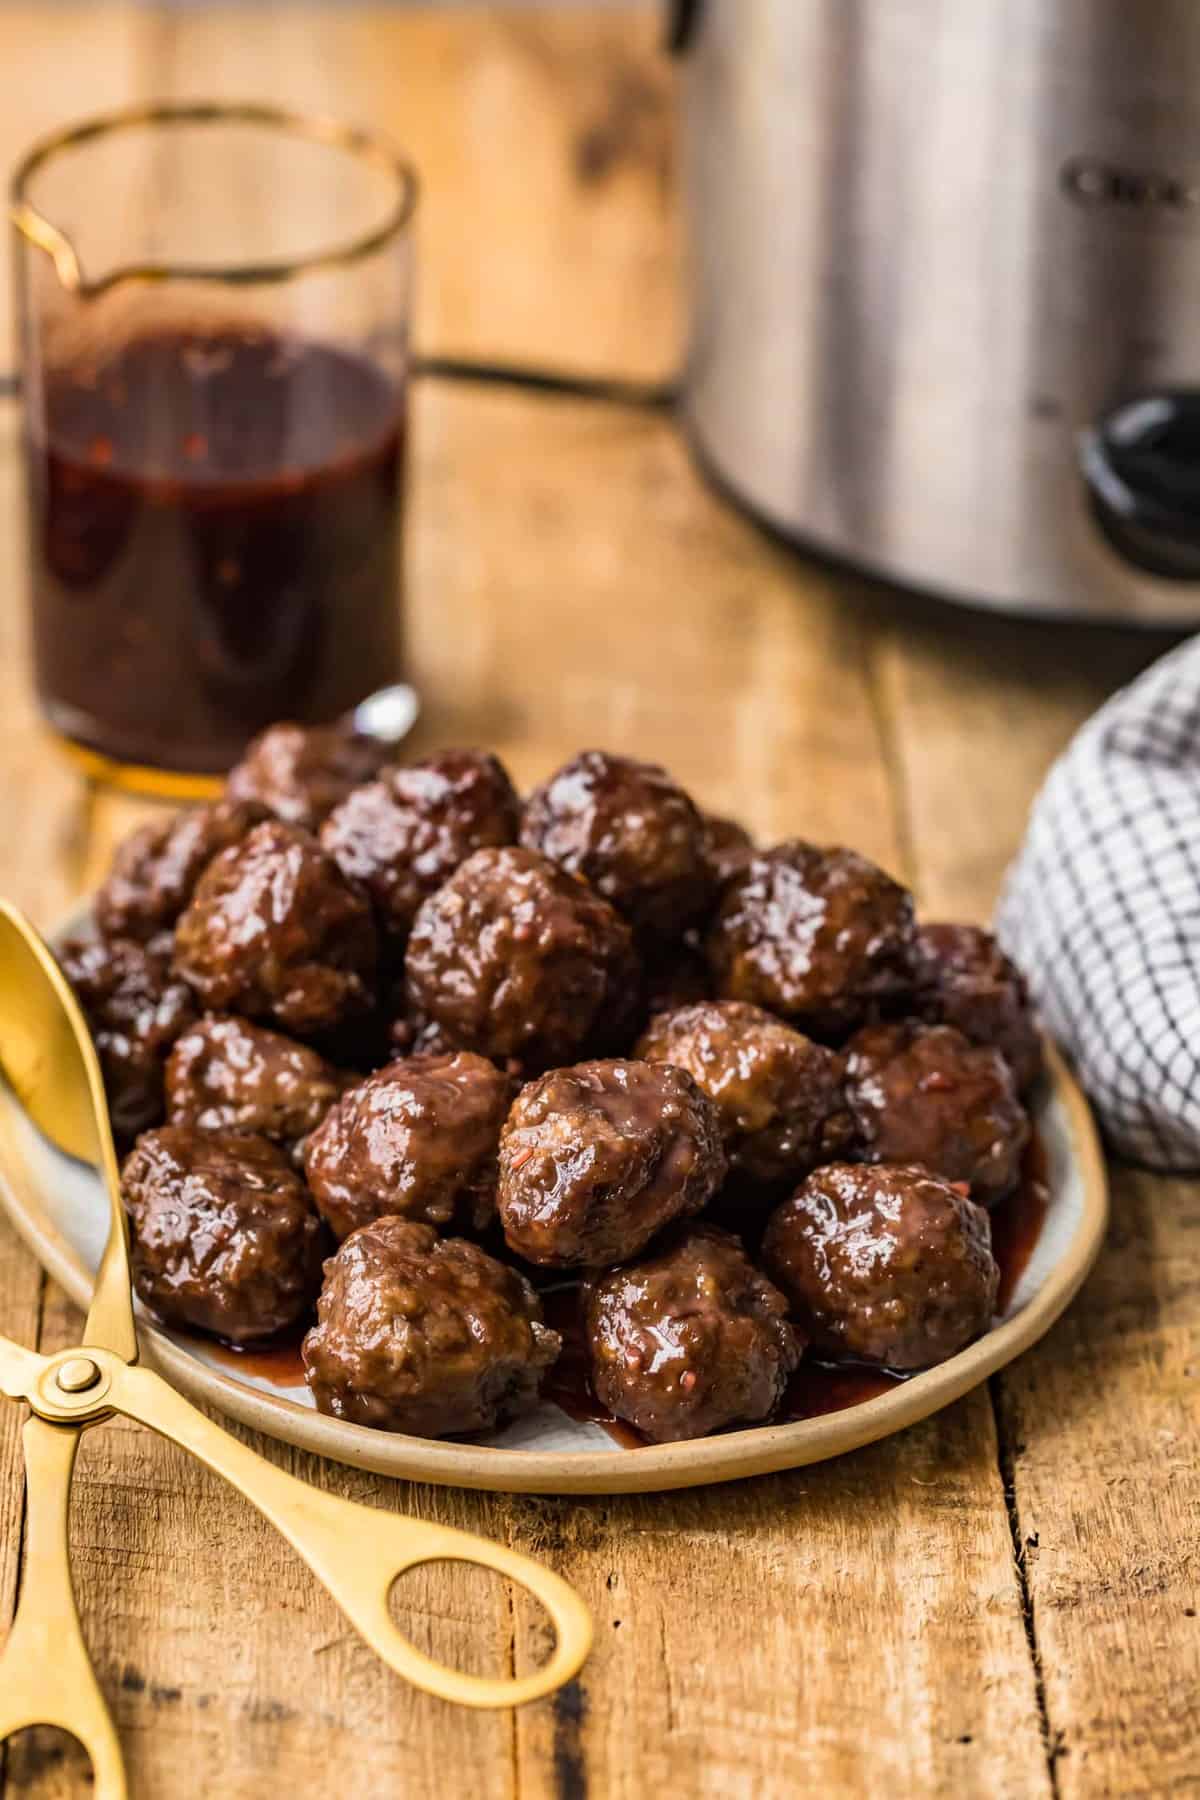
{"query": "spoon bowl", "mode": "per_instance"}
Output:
(46, 1049)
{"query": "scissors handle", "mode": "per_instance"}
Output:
(46, 1675)
(357, 1552)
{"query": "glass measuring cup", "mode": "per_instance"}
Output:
(214, 306)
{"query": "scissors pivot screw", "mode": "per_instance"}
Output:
(78, 1375)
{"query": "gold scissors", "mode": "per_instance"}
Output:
(46, 1676)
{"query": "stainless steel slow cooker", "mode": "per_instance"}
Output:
(946, 277)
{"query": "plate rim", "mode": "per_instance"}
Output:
(728, 1456)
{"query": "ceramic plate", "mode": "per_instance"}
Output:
(59, 1208)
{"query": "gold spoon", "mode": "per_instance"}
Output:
(46, 1677)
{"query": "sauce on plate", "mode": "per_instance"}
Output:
(817, 1388)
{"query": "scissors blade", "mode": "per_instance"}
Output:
(19, 1369)
(47, 1055)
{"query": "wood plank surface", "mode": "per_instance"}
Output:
(59, 63)
(1099, 1424)
(544, 138)
(856, 1629)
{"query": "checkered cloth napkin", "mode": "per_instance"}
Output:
(1102, 911)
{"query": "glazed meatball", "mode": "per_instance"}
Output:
(514, 958)
(274, 930)
(135, 1010)
(155, 871)
(402, 835)
(816, 935)
(964, 979)
(424, 1334)
(596, 1159)
(631, 832)
(417, 1139)
(225, 1074)
(728, 847)
(887, 1265)
(779, 1096)
(224, 1237)
(689, 1340)
(300, 773)
(922, 1093)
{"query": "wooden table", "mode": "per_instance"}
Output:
(1002, 1601)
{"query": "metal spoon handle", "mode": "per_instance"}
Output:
(358, 1551)
(46, 1675)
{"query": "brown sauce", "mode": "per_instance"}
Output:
(816, 1389)
(1017, 1222)
(279, 1363)
(568, 1384)
(213, 541)
(820, 1387)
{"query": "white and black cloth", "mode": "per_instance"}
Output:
(1102, 911)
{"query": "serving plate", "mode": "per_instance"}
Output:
(58, 1207)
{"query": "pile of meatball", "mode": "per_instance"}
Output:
(392, 1051)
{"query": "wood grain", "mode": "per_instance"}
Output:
(767, 1639)
(544, 138)
(1098, 1424)
(976, 709)
(61, 63)
(1102, 1426)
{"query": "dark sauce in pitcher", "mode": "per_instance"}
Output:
(214, 534)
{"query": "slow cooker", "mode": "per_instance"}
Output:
(946, 280)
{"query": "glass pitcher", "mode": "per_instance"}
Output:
(213, 307)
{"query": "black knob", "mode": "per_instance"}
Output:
(1142, 468)
(682, 19)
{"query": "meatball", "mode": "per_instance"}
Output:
(513, 957)
(631, 832)
(402, 835)
(274, 930)
(728, 846)
(923, 1094)
(817, 935)
(596, 1159)
(224, 1238)
(424, 1334)
(779, 1097)
(135, 1010)
(888, 1265)
(225, 1074)
(155, 871)
(690, 1339)
(300, 773)
(417, 1139)
(964, 979)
